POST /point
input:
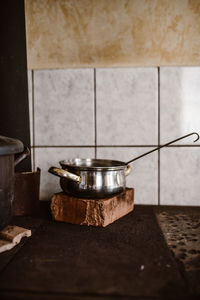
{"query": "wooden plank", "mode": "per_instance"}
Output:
(128, 258)
(28, 222)
(11, 235)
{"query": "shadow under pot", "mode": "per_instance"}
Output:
(8, 148)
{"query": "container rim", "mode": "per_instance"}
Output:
(91, 164)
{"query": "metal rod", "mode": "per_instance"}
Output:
(130, 161)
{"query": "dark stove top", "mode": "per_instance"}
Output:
(129, 259)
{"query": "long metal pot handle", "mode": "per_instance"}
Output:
(64, 173)
(169, 143)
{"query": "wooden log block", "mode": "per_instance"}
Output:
(10, 236)
(91, 212)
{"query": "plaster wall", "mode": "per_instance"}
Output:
(91, 33)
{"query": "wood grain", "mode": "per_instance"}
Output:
(91, 212)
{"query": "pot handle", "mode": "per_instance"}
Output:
(127, 170)
(22, 156)
(63, 173)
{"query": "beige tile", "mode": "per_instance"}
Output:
(64, 107)
(180, 176)
(144, 175)
(127, 106)
(179, 103)
(47, 157)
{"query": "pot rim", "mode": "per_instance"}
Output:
(92, 164)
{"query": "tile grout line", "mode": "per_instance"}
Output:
(95, 116)
(33, 119)
(113, 146)
(159, 135)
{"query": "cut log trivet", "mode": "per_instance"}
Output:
(10, 236)
(99, 212)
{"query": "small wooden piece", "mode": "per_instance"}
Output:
(91, 212)
(11, 236)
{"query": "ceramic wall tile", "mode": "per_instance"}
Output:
(47, 157)
(179, 103)
(144, 175)
(127, 110)
(64, 107)
(180, 176)
(30, 101)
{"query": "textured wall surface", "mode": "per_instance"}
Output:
(91, 33)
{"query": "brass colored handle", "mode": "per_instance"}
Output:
(64, 173)
(127, 170)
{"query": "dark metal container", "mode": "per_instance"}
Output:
(8, 148)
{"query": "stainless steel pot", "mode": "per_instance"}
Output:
(97, 178)
(92, 178)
